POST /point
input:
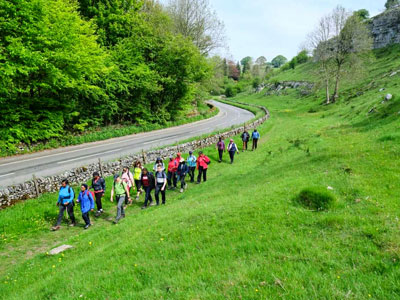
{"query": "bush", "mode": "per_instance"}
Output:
(230, 91)
(316, 198)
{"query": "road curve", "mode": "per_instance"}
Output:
(18, 169)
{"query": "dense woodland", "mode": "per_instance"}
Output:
(66, 66)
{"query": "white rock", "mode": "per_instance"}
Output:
(60, 249)
(330, 188)
(382, 89)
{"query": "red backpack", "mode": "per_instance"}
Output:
(91, 192)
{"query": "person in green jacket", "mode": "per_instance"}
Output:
(120, 189)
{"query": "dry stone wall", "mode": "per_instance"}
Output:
(31, 189)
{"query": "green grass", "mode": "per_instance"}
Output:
(108, 132)
(241, 235)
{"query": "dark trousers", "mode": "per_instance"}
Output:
(203, 172)
(255, 142)
(86, 218)
(171, 178)
(245, 145)
(182, 181)
(147, 198)
(70, 210)
(158, 190)
(191, 173)
(120, 206)
(98, 197)
(220, 152)
(232, 155)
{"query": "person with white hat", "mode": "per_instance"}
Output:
(181, 172)
(232, 149)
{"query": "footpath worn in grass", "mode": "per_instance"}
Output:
(241, 235)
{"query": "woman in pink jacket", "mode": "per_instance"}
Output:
(202, 165)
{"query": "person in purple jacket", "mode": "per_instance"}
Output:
(86, 200)
(221, 148)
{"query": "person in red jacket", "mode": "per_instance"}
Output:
(202, 165)
(171, 176)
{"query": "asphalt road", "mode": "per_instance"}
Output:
(18, 169)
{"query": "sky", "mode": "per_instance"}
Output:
(271, 27)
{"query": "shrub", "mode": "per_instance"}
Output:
(230, 91)
(315, 198)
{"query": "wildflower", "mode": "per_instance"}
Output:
(257, 290)
(54, 266)
(90, 243)
(338, 277)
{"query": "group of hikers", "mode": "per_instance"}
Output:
(144, 181)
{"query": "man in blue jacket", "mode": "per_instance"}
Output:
(65, 202)
(255, 137)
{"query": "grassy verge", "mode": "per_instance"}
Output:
(243, 234)
(109, 132)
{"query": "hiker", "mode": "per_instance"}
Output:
(137, 172)
(202, 165)
(148, 183)
(127, 177)
(159, 161)
(65, 201)
(255, 137)
(160, 183)
(172, 168)
(121, 191)
(191, 162)
(86, 199)
(232, 149)
(181, 172)
(245, 139)
(99, 187)
(221, 148)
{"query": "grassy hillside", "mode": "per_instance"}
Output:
(242, 235)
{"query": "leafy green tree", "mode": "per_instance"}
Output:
(362, 14)
(279, 61)
(239, 69)
(50, 71)
(392, 3)
(246, 64)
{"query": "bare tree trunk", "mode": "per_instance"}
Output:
(336, 94)
(328, 99)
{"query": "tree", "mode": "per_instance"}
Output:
(279, 61)
(261, 61)
(392, 3)
(351, 40)
(319, 42)
(362, 14)
(339, 43)
(239, 69)
(246, 64)
(196, 20)
(225, 67)
(233, 71)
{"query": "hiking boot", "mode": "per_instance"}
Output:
(181, 190)
(98, 213)
(197, 182)
(87, 226)
(55, 228)
(115, 221)
(144, 207)
(72, 225)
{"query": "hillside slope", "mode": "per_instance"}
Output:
(241, 235)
